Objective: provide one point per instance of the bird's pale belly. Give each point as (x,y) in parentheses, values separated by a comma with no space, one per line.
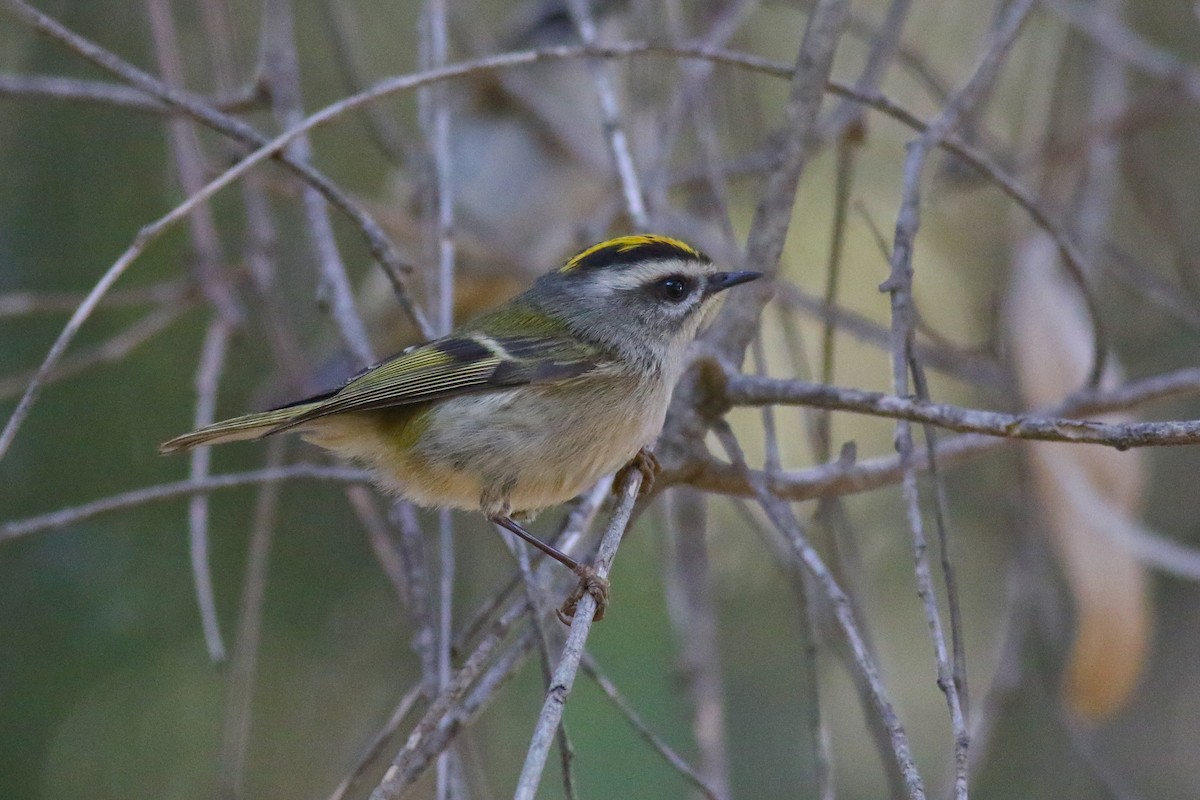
(501,452)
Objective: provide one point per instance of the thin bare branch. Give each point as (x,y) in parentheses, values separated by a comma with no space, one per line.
(534,600)
(677,762)
(692,607)
(781,516)
(941,518)
(750,390)
(381,247)
(372,751)
(206,246)
(281,74)
(1110,32)
(610,112)
(82,312)
(426,739)
(208,373)
(438,135)
(576,525)
(16,304)
(243,663)
(56,520)
(344,34)
(964,364)
(773,214)
(114,95)
(435,119)
(109,351)
(568,662)
(885,43)
(847,148)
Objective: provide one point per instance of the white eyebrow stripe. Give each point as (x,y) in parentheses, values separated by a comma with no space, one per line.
(638,275)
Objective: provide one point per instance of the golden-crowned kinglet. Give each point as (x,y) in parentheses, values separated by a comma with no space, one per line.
(528,405)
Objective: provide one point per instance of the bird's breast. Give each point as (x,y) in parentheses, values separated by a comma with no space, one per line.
(539,446)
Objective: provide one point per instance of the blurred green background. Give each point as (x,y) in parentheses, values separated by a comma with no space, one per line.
(106,690)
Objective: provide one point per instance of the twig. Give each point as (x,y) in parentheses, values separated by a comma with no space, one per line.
(447,764)
(82,312)
(773,214)
(750,390)
(208,372)
(380,246)
(576,525)
(818,615)
(424,741)
(172,292)
(822,773)
(79,90)
(847,149)
(421,607)
(691,92)
(206,244)
(533,599)
(435,116)
(884,45)
(281,73)
(688,582)
(610,113)
(438,135)
(831,520)
(961,363)
(781,516)
(668,753)
(837,477)
(166,491)
(406,82)
(941,519)
(1109,32)
(243,662)
(381,738)
(109,351)
(568,663)
(345,36)
(458,715)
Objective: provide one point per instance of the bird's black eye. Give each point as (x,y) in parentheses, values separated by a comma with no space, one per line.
(673,289)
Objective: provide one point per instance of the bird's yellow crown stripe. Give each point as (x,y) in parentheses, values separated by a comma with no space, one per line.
(626,245)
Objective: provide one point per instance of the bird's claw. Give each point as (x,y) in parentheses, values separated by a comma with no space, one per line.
(645,463)
(589,583)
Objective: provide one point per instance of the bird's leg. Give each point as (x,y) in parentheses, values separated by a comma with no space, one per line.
(645,463)
(589,581)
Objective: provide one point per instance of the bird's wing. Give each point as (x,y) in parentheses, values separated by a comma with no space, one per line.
(456,365)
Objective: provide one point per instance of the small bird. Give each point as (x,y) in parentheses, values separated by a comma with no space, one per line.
(528,405)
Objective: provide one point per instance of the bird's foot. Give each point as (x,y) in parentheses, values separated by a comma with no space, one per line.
(645,463)
(589,583)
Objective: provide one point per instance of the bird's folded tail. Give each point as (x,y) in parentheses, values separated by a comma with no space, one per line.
(249,426)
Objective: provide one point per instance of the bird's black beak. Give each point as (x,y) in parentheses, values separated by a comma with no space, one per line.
(721,281)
